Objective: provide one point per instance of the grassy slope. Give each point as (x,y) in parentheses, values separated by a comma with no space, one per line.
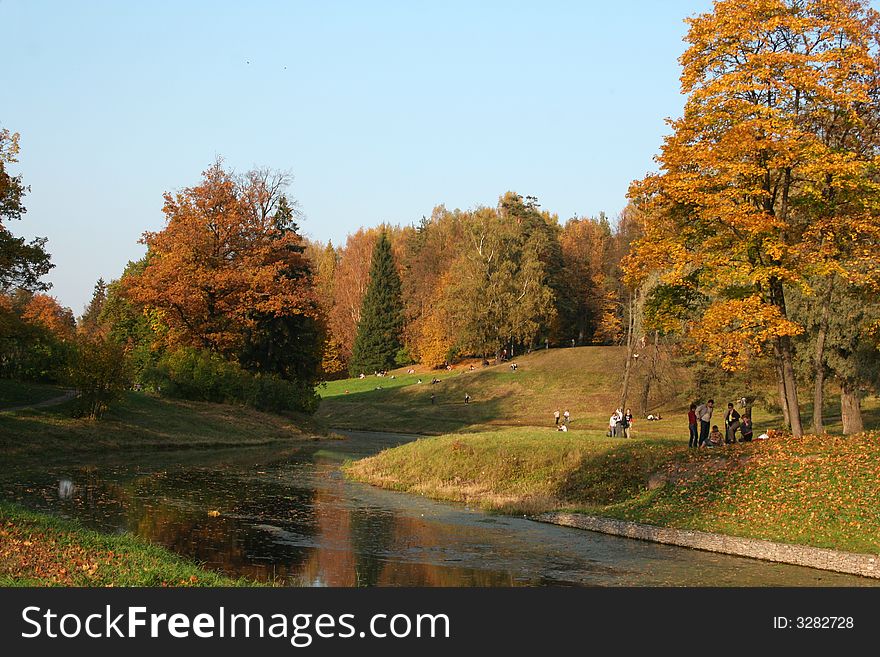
(585,380)
(145,421)
(814,491)
(38,550)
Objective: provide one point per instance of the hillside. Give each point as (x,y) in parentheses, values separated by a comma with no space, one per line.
(584,380)
(145,421)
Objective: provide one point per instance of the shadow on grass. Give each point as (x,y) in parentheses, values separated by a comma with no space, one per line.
(411,409)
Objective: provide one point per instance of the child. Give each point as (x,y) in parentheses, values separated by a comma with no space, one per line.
(715,437)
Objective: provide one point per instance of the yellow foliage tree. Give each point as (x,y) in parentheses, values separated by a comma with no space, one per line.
(772,162)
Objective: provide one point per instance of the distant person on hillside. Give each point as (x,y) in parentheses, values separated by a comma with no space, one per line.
(566,417)
(731,423)
(714,438)
(745,429)
(692,426)
(627,423)
(432,397)
(704,415)
(556,417)
(562,427)
(467,398)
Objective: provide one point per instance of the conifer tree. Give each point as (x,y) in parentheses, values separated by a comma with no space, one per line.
(380,328)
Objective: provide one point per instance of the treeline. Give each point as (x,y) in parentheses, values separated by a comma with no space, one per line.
(480,282)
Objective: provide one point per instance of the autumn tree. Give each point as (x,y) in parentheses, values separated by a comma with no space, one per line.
(740,207)
(380,329)
(45,310)
(228,275)
(499,293)
(350,284)
(22,263)
(325,260)
(428,251)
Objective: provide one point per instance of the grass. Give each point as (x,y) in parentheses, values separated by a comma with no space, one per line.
(19,393)
(819,491)
(145,421)
(585,380)
(39,550)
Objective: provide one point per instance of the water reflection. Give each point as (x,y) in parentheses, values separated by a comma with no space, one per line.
(288,515)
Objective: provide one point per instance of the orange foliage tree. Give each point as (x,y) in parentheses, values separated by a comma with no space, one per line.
(779,123)
(220,262)
(44,310)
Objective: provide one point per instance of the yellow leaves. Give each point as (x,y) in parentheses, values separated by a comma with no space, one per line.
(735,332)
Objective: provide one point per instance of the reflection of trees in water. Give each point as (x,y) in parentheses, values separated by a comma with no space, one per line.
(372,534)
(432,537)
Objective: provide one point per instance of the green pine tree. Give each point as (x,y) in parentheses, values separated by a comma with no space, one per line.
(380,328)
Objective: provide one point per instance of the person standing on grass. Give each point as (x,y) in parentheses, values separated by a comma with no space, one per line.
(566,417)
(432,397)
(692,426)
(731,422)
(627,423)
(467,398)
(704,415)
(556,417)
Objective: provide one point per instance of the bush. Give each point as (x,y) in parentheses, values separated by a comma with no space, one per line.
(99,371)
(202,376)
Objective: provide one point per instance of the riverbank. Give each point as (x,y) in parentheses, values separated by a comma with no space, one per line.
(40,550)
(816,491)
(141,420)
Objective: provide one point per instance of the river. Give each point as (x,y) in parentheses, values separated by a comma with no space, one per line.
(287,514)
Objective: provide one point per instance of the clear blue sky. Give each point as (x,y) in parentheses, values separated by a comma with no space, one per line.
(380,110)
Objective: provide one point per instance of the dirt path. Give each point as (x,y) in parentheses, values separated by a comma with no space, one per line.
(67,396)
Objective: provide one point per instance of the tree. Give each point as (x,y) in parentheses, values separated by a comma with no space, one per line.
(499,294)
(380,328)
(740,208)
(99,372)
(228,259)
(350,285)
(90,321)
(45,310)
(22,263)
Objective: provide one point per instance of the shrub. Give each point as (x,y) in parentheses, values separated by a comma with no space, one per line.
(202,376)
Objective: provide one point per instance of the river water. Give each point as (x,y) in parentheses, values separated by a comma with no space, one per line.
(287,514)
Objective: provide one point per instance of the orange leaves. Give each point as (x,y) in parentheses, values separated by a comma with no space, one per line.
(222,260)
(736,331)
(44,310)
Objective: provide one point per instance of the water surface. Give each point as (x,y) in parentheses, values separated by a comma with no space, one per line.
(287,514)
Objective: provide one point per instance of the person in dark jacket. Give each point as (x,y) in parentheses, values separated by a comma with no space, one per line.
(731,422)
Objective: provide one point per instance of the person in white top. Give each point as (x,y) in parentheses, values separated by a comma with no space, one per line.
(704,415)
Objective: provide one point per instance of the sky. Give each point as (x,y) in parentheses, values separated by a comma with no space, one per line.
(379,110)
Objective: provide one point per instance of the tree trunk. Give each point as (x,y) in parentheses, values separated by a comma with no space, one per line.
(794,408)
(780,383)
(850,408)
(819,361)
(630,346)
(652,374)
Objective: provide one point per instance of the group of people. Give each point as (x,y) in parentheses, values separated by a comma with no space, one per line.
(566,418)
(700,419)
(620,424)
